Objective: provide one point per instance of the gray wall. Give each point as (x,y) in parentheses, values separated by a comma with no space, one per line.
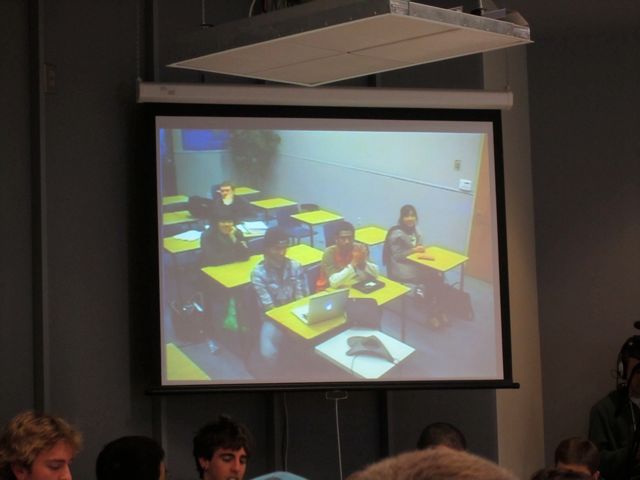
(586,170)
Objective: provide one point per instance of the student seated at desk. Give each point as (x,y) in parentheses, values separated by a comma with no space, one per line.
(223,242)
(402,240)
(346,262)
(131,458)
(225,200)
(277,280)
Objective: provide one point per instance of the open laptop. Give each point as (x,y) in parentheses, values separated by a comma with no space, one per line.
(323,307)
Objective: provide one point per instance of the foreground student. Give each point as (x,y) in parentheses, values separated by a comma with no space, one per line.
(131,458)
(578,455)
(438,463)
(441,434)
(221,450)
(559,474)
(614,420)
(37,446)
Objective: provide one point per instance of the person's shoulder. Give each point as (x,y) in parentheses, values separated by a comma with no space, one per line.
(395,232)
(209,235)
(610,401)
(294,264)
(328,252)
(259,269)
(239,201)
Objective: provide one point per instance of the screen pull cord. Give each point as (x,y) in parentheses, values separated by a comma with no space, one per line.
(336,396)
(285,436)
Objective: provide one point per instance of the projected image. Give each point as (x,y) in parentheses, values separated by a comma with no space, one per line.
(297,251)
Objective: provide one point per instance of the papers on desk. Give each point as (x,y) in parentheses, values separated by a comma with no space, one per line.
(252,227)
(188,236)
(363,366)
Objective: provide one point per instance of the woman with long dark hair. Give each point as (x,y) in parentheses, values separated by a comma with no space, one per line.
(402,240)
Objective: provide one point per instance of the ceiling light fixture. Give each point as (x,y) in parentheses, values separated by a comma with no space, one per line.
(325,41)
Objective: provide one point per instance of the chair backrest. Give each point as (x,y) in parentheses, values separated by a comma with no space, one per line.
(200,207)
(312,275)
(255,245)
(283,216)
(363,312)
(309,207)
(330,231)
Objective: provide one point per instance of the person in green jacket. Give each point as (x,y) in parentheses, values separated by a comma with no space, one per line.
(614,422)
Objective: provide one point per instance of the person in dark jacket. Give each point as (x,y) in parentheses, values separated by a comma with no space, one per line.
(223,243)
(225,202)
(614,422)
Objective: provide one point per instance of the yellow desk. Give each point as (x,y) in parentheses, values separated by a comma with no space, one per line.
(239,273)
(245,191)
(173,199)
(371,235)
(284,317)
(180,367)
(273,203)
(175,245)
(443,260)
(390,291)
(173,218)
(316,217)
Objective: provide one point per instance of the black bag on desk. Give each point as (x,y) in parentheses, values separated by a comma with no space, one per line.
(456,303)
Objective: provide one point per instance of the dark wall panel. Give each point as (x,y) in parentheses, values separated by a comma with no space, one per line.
(585,148)
(472,411)
(16,333)
(90,145)
(296,429)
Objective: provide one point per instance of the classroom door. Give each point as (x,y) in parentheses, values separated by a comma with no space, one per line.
(480,250)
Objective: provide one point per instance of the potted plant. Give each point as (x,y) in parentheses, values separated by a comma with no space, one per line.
(253,153)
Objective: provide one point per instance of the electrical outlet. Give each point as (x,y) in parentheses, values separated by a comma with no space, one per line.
(456,164)
(464,185)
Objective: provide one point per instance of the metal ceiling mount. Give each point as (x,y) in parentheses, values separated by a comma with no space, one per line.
(325,41)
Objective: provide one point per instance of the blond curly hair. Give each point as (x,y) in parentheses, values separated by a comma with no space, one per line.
(30,433)
(437,463)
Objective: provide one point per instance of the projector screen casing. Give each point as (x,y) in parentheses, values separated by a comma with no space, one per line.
(343,115)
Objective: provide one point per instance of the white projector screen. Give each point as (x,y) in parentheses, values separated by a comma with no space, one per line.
(306,170)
